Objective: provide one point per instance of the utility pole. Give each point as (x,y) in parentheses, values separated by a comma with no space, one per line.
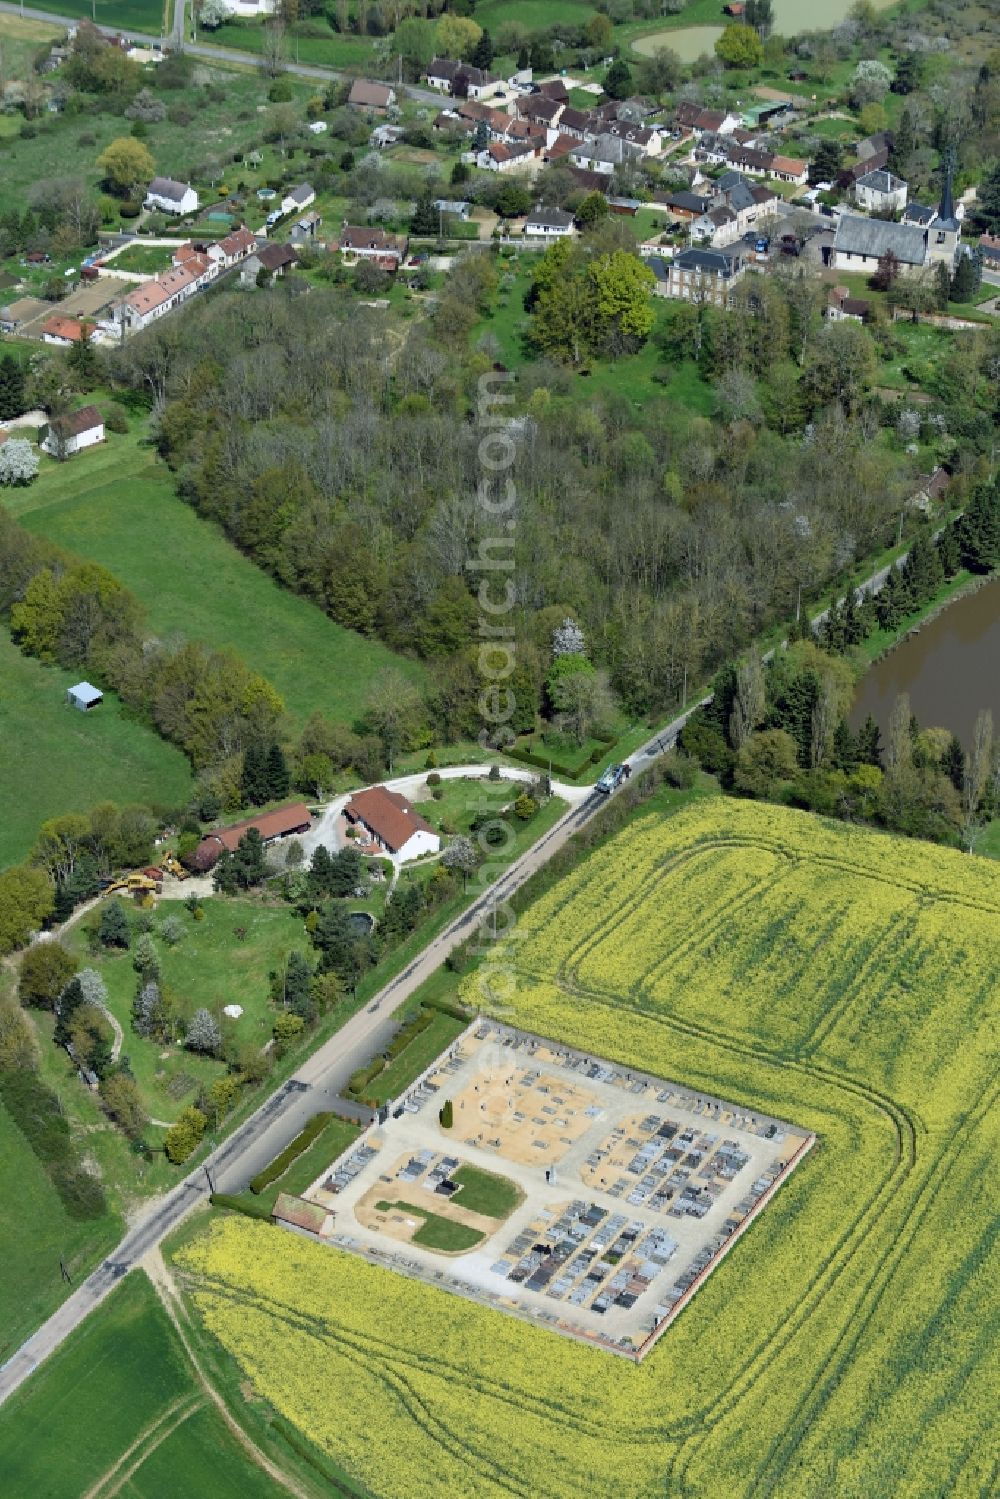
(208,1178)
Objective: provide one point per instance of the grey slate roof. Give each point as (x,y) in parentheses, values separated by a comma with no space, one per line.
(554,218)
(881,182)
(873,237)
(716,262)
(918,213)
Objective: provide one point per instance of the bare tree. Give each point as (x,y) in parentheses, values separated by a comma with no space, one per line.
(274,53)
(975,773)
(750,700)
(899,746)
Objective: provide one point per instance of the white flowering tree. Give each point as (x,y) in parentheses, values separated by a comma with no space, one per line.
(203,1034)
(213,12)
(568,639)
(18,461)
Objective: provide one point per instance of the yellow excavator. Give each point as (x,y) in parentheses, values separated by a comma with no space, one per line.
(137,884)
(175,867)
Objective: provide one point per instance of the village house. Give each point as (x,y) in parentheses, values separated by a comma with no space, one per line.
(646,138)
(701,275)
(843,308)
(283,822)
(275,259)
(69,434)
(298,198)
(305,228)
(549,223)
(368,243)
(880,192)
(518,156)
(989,246)
(373,98)
(860,244)
(460,79)
(155,298)
(603,155)
(67,331)
(170,196)
(388,821)
(697,120)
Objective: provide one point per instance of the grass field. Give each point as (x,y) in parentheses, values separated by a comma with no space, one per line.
(435,1232)
(119,1403)
(211,967)
(350,52)
(87,758)
(483,1192)
(847,1345)
(146,260)
(21,39)
(116,504)
(32,1285)
(412,1060)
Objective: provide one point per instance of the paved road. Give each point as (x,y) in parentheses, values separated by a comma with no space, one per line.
(214,53)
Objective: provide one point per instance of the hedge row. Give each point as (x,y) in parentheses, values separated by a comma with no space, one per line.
(240,1205)
(38,1114)
(564,772)
(281,1163)
(360,1080)
(457,1012)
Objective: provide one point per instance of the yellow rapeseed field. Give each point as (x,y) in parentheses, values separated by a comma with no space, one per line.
(847,1346)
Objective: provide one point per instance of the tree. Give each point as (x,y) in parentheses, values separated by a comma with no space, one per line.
(592,210)
(18,462)
(749,702)
(869,83)
(461,854)
(908,70)
(394,711)
(127,165)
(184,1137)
(314,775)
(145,959)
(975,776)
(446,1114)
(618,80)
(760,15)
(904,143)
(739,46)
(482,52)
(45,970)
(887,272)
(826,163)
(578,695)
(150,1016)
(13,400)
(456,36)
(765,761)
(213,13)
(296,989)
(254,779)
(203,1033)
(964,286)
(987,209)
(512,199)
(979,530)
(27,898)
(244,867)
(426,219)
(90,1037)
(598,32)
(278,778)
(123,1103)
(113,929)
(568,639)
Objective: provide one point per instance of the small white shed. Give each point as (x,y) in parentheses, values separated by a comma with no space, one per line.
(84,696)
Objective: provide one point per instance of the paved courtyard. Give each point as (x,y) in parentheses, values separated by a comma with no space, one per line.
(628,1189)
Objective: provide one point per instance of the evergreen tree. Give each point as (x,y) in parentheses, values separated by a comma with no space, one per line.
(979,531)
(12,387)
(67,1005)
(988,203)
(337,943)
(907,78)
(297,987)
(845,748)
(967,278)
(953,762)
(203,1034)
(869,743)
(523,59)
(888,603)
(244,867)
(949,551)
(618,80)
(254,780)
(426,219)
(113,930)
(278,777)
(482,54)
(942,286)
(827,161)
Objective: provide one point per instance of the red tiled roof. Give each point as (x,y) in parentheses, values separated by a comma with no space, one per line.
(66,327)
(293,818)
(75,423)
(389,816)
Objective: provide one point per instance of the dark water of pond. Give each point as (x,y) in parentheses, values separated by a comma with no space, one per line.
(360,923)
(951,669)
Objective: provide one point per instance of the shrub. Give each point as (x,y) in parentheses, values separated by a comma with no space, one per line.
(434,779)
(45,971)
(116,418)
(446,1114)
(281,1163)
(129,210)
(184,1137)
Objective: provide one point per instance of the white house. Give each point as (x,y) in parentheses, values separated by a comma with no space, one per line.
(389,822)
(880,192)
(460,79)
(170,196)
(73,432)
(549,223)
(298,198)
(860,243)
(66,331)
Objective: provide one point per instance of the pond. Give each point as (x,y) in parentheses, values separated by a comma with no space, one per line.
(790,16)
(361,923)
(949,668)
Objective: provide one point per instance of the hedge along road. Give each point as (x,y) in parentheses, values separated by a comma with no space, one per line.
(318,1083)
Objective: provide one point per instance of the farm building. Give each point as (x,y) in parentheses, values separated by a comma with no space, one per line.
(376,98)
(84,696)
(73,432)
(391,823)
(281,823)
